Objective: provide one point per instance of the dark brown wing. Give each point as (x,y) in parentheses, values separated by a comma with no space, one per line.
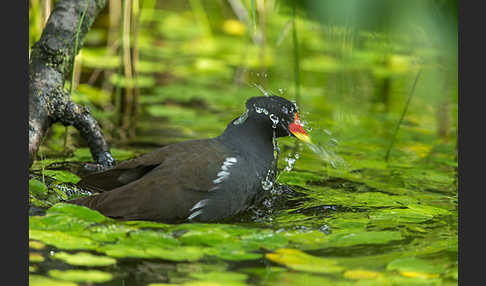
(127,171)
(168,191)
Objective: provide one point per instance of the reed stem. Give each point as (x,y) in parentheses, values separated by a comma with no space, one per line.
(397,128)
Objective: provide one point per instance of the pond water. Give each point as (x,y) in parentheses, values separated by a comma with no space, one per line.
(339,213)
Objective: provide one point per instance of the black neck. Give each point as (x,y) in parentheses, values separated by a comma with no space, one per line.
(253,136)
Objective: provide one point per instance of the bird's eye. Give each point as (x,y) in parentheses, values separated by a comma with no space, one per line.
(285,110)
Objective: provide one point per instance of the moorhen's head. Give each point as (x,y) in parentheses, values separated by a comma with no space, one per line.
(280,113)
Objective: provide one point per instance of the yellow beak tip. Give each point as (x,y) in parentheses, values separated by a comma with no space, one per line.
(303,137)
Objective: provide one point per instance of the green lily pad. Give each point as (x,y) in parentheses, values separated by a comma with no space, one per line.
(109,232)
(298,278)
(349,238)
(146,224)
(62,176)
(36,245)
(207,237)
(183,253)
(265,239)
(361,274)
(232,252)
(35,257)
(94,276)
(84,154)
(84,259)
(62,240)
(307,240)
(301,261)
(81,212)
(415,267)
(150,244)
(226,277)
(38,280)
(37,188)
(67,218)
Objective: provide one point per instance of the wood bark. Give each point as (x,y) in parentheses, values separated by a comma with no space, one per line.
(50,63)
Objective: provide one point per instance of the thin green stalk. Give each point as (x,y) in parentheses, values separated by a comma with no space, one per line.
(76,43)
(296,55)
(402,116)
(253,19)
(43,167)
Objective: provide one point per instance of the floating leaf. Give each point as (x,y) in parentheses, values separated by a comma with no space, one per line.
(307,239)
(226,277)
(35,257)
(36,245)
(415,267)
(84,154)
(298,278)
(77,211)
(84,259)
(349,238)
(300,261)
(62,240)
(360,274)
(95,276)
(266,239)
(208,237)
(38,280)
(233,252)
(63,176)
(37,188)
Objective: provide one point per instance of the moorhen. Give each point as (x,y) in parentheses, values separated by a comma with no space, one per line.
(199,180)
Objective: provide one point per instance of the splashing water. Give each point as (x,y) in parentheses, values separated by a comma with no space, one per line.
(267,183)
(260,110)
(274,119)
(242,118)
(291,161)
(266,93)
(327,155)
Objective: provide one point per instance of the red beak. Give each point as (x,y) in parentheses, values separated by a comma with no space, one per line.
(298,131)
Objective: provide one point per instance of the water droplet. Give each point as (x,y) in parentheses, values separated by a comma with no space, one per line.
(262,90)
(290,164)
(274,119)
(267,183)
(261,110)
(241,119)
(325,229)
(333,142)
(281,90)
